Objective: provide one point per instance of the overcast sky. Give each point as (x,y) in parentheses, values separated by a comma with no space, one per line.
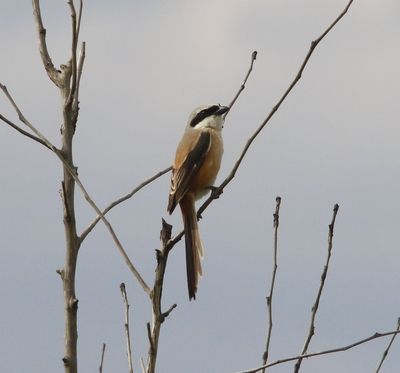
(149,64)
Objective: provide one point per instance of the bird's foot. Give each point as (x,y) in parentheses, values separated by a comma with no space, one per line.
(215,191)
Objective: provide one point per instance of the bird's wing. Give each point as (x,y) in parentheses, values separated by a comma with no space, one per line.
(182,176)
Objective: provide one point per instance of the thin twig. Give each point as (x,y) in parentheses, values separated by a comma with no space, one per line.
(385,353)
(74,174)
(314,308)
(271,291)
(126,325)
(243,86)
(22,118)
(19,129)
(78,24)
(103,349)
(120,200)
(325,352)
(75,101)
(74,44)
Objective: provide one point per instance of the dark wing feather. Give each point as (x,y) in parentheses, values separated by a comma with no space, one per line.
(184,174)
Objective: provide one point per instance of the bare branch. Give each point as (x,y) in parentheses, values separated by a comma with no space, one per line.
(73,173)
(122,199)
(325,352)
(112,232)
(19,129)
(75,101)
(385,353)
(314,308)
(40,137)
(57,77)
(169,310)
(103,349)
(271,291)
(126,325)
(74,45)
(158,317)
(78,24)
(243,86)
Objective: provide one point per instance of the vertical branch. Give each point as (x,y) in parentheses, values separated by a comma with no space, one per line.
(323,277)
(271,291)
(103,350)
(73,60)
(66,79)
(158,317)
(385,353)
(126,325)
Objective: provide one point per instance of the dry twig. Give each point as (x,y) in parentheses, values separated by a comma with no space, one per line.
(325,352)
(126,325)
(314,308)
(120,200)
(271,290)
(103,349)
(243,86)
(385,353)
(16,127)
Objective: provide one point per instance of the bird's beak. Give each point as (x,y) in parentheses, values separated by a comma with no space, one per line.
(222,110)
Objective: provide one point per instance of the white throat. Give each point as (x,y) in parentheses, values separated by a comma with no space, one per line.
(214,122)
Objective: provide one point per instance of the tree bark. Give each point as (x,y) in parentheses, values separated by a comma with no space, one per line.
(71,239)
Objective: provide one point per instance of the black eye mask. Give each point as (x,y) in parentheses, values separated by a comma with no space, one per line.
(204,114)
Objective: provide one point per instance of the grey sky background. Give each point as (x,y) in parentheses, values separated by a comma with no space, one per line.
(335,139)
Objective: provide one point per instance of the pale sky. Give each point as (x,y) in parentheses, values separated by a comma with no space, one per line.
(149,64)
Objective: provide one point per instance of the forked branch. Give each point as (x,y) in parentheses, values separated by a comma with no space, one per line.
(325,352)
(73,173)
(386,352)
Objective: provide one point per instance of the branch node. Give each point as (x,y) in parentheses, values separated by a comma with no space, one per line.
(66,361)
(61,273)
(73,304)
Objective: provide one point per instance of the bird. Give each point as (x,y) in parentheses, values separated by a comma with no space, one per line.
(197,162)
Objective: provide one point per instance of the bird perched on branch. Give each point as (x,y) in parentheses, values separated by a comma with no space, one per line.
(197,162)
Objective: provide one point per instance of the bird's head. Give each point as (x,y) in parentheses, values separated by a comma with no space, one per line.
(209,116)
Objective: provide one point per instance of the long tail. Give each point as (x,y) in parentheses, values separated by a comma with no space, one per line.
(194,248)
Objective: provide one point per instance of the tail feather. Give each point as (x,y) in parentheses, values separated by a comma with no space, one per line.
(194,247)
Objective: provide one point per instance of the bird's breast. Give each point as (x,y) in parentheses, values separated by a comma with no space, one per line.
(208,171)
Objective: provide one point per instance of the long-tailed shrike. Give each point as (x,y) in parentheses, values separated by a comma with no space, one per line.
(197,162)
